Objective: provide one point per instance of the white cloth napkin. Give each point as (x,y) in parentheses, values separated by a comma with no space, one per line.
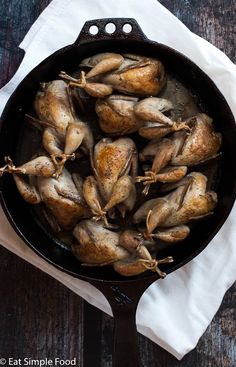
(181,306)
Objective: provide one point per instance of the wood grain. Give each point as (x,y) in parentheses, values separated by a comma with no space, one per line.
(40,317)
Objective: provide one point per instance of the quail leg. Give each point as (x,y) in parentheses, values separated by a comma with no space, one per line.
(97,90)
(141,214)
(102,63)
(156,216)
(167,174)
(94,199)
(172,235)
(40,166)
(123,189)
(54,147)
(152,109)
(75,135)
(134,266)
(153,130)
(163,156)
(157,124)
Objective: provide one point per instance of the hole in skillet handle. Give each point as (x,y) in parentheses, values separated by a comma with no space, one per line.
(110,28)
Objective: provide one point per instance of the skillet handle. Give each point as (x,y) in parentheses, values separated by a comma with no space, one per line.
(120,25)
(125,339)
(123,299)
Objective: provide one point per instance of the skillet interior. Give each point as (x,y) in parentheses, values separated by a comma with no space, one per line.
(68,59)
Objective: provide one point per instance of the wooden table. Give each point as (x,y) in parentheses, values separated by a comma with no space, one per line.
(39,317)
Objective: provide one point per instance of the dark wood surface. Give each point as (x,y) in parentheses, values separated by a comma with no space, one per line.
(39,317)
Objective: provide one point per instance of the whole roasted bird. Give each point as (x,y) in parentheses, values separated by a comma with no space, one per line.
(190,200)
(63,131)
(129,74)
(171,156)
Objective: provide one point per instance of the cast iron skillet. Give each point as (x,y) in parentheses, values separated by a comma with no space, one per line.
(123,294)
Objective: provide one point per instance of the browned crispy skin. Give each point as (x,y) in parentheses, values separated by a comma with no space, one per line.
(112,160)
(52,105)
(201,144)
(146,78)
(96,244)
(116,115)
